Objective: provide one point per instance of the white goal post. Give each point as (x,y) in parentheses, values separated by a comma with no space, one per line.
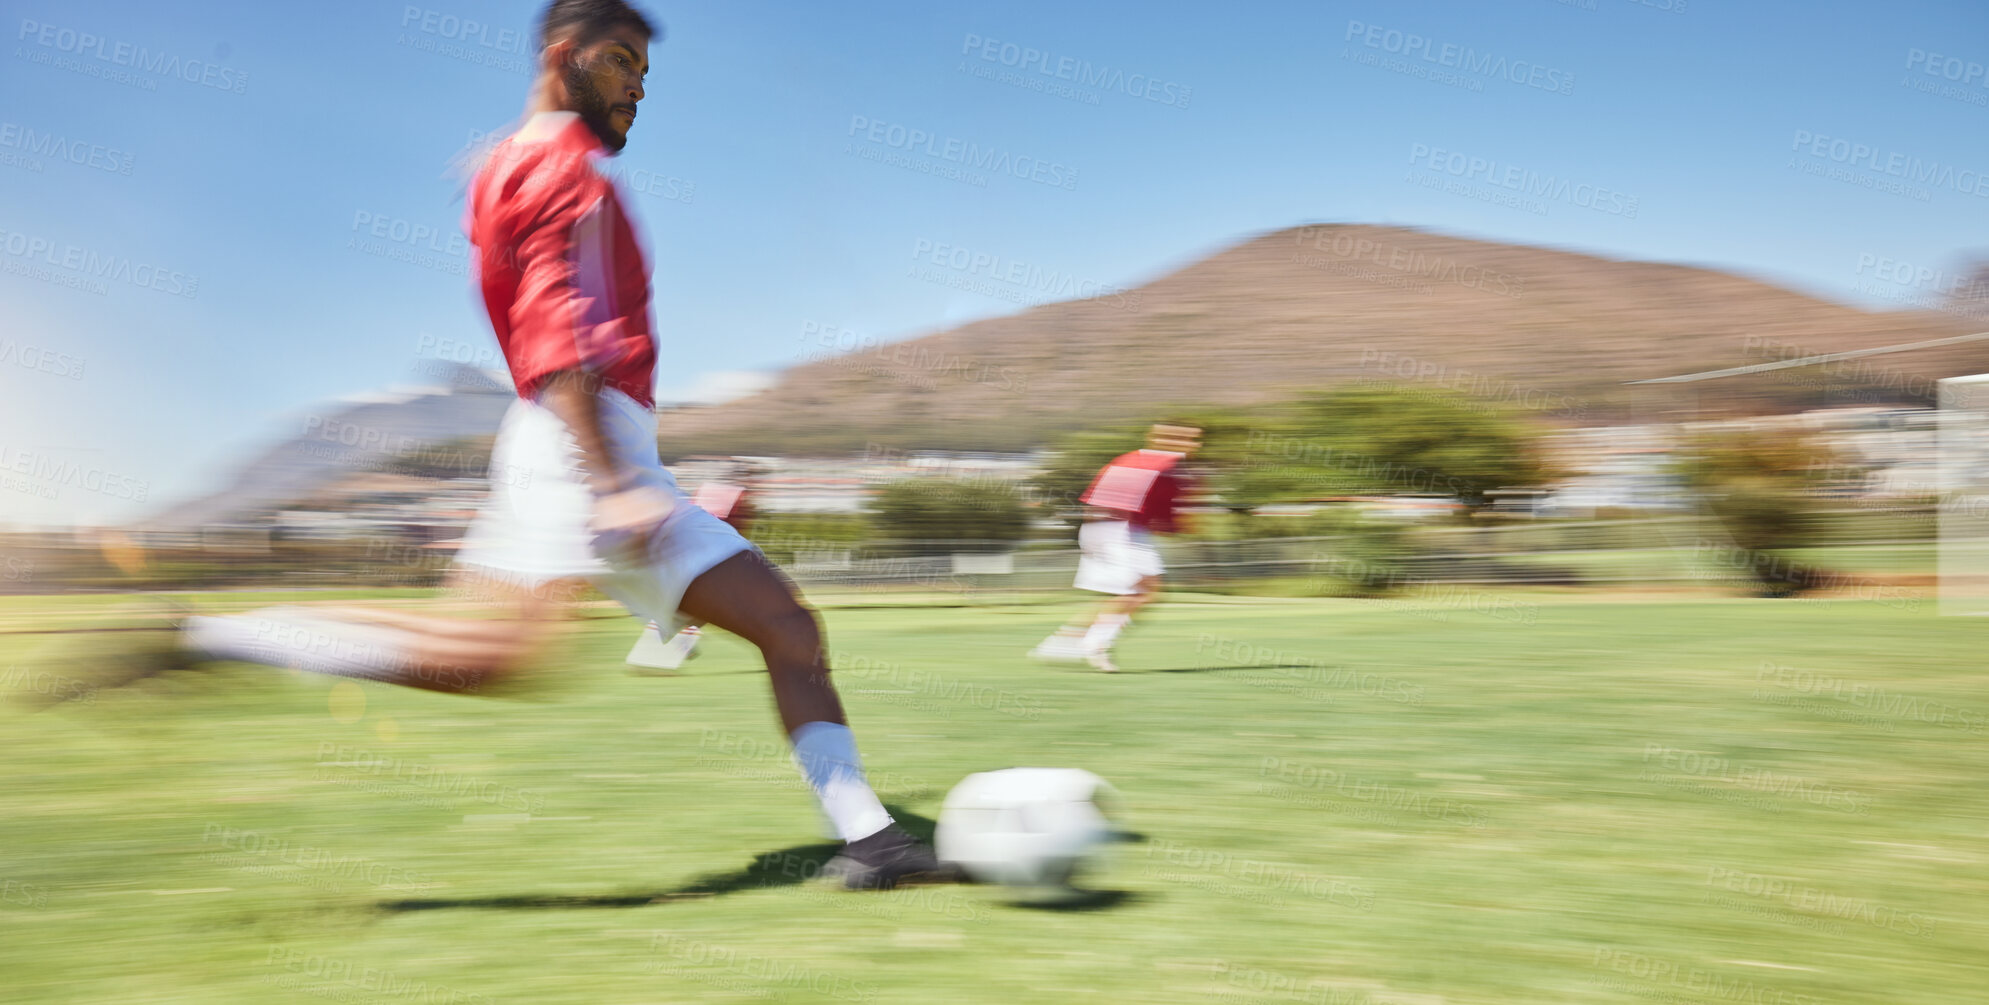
(1962,544)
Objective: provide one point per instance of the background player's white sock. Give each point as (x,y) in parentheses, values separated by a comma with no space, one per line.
(1104,630)
(289,637)
(826,753)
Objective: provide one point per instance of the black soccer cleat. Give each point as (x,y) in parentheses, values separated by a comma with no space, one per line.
(887,858)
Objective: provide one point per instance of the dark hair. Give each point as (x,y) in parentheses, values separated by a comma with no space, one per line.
(589,20)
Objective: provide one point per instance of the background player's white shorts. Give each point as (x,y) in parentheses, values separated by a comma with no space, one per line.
(1115,555)
(534,527)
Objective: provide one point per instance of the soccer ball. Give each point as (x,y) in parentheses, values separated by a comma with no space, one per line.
(1023,826)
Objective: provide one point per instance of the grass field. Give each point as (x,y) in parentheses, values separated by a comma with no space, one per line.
(1512,797)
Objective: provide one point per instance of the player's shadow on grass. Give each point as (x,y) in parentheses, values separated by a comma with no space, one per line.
(1079,900)
(1223,669)
(786,867)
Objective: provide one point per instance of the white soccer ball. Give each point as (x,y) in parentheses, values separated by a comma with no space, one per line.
(1023,826)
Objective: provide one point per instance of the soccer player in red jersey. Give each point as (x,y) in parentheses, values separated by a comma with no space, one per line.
(1132,498)
(566,283)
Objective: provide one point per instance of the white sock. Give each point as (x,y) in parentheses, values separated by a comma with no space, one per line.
(826,754)
(1104,630)
(291,637)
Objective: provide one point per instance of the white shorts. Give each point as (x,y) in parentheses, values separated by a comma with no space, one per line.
(1114,557)
(534,528)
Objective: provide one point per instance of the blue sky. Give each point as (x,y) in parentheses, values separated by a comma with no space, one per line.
(264,217)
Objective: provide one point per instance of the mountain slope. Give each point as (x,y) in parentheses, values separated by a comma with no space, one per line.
(1311,307)
(340,440)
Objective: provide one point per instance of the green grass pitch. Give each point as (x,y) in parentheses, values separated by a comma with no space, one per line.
(1513,797)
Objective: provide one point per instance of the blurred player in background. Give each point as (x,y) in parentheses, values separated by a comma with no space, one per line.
(564,278)
(1133,498)
(729,498)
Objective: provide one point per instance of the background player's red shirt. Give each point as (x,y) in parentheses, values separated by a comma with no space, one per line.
(561,268)
(727,501)
(1141,488)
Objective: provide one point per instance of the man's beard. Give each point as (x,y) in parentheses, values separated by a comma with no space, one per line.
(592,108)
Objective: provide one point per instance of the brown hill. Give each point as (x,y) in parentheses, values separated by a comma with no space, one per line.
(1317,306)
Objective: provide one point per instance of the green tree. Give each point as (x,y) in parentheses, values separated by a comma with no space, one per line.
(1381,440)
(947,511)
(1763,487)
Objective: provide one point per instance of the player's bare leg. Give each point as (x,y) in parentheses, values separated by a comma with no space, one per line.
(456,655)
(1090,639)
(450,654)
(1113,617)
(747,596)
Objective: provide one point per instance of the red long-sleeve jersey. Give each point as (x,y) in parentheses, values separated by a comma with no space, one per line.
(1141,488)
(559,261)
